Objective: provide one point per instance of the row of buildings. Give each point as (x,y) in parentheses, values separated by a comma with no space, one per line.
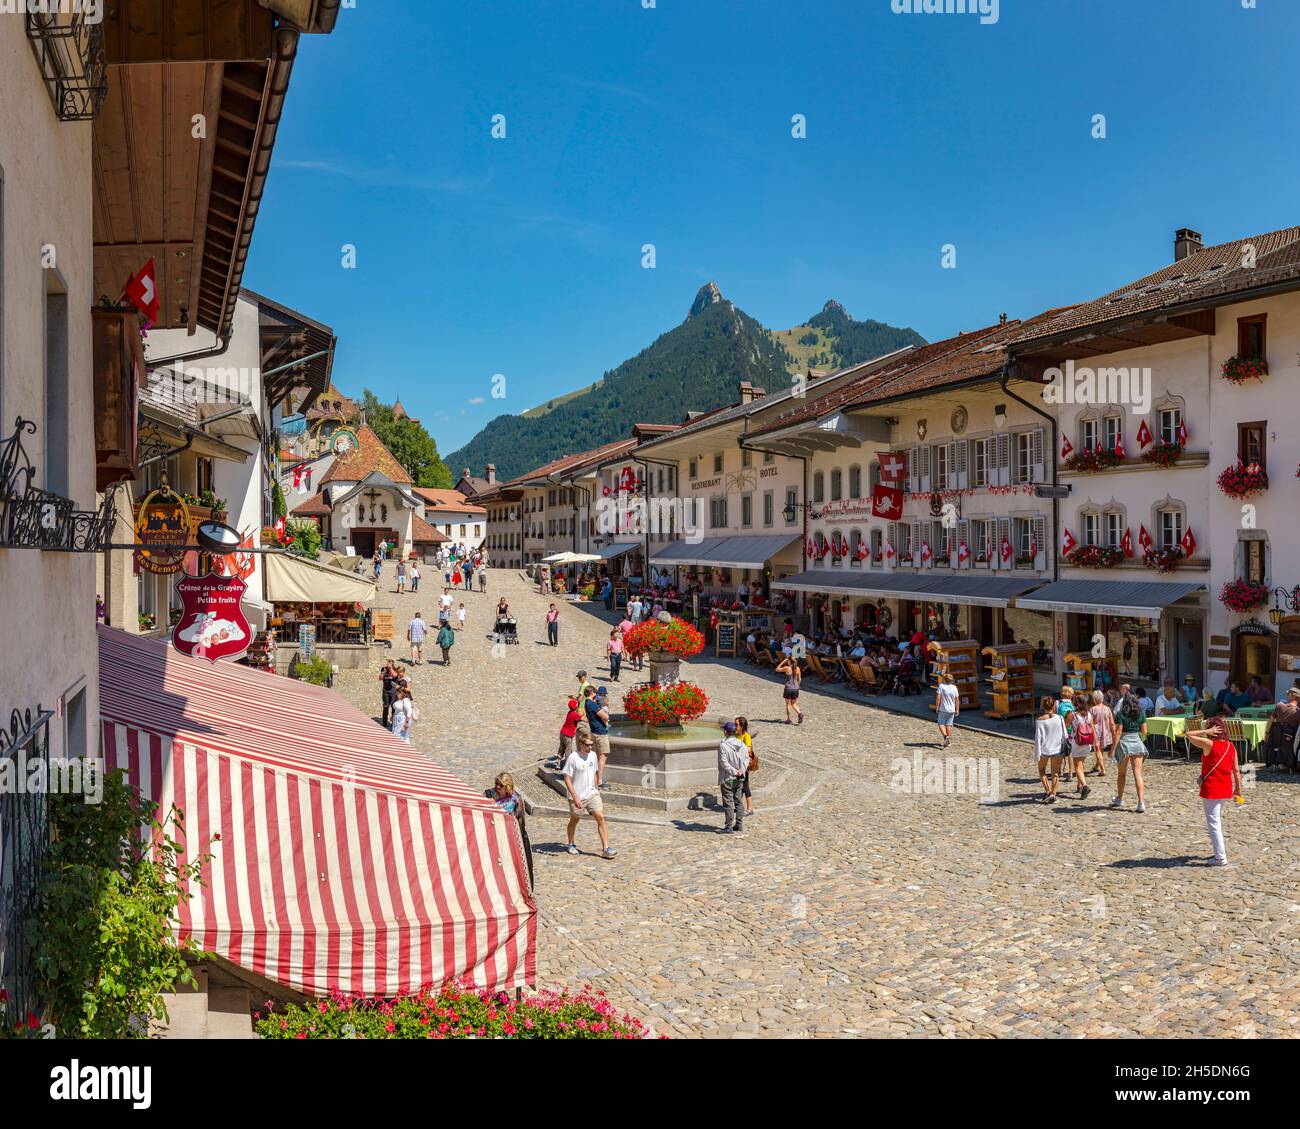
(1124,468)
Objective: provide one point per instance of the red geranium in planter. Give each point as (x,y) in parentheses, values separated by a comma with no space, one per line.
(1161,453)
(665,705)
(677,638)
(1095,556)
(1090,462)
(1243,481)
(1163,560)
(1243,596)
(1238,370)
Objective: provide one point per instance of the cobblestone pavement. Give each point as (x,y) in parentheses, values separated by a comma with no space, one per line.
(850,907)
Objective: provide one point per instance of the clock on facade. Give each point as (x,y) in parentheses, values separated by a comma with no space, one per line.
(959,420)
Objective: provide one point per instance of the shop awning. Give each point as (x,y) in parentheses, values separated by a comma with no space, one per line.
(292,579)
(618,549)
(980,591)
(1144,599)
(748,552)
(345,859)
(724,552)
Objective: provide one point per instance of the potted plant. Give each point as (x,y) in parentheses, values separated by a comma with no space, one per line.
(666,645)
(1091,462)
(146,621)
(665,707)
(1095,556)
(1238,370)
(1163,560)
(1243,481)
(1163,454)
(1243,596)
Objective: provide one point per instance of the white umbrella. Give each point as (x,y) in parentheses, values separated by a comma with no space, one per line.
(571,558)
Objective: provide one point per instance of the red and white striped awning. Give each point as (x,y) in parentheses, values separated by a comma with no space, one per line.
(346,859)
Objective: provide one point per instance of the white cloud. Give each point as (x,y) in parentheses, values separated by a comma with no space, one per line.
(476,400)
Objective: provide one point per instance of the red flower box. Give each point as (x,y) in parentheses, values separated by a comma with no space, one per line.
(1243,596)
(1163,454)
(677,638)
(1090,462)
(1163,560)
(665,705)
(1095,556)
(1238,370)
(1243,481)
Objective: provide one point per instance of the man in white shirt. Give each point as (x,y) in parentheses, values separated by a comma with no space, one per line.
(444,605)
(733,763)
(580,771)
(1168,701)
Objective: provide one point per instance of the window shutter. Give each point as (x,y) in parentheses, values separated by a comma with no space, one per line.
(1002,532)
(958,466)
(1003,462)
(925,468)
(918,535)
(1040,536)
(891,535)
(1036,456)
(963,538)
(914,469)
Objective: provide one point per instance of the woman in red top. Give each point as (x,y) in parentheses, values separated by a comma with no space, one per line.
(1220,776)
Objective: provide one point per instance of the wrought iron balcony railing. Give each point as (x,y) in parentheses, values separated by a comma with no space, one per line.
(69,47)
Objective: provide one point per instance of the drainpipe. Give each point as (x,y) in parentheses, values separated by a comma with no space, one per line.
(647,463)
(1056,446)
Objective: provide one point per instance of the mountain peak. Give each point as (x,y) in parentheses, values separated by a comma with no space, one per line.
(833,307)
(709,295)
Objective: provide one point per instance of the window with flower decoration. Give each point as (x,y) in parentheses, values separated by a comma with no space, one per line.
(877,542)
(1114,520)
(979,533)
(1090,527)
(1252,556)
(1089,433)
(1170,422)
(1112,430)
(1252,340)
(1170,526)
(1252,444)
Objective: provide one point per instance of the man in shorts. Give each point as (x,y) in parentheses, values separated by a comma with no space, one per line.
(595,708)
(580,768)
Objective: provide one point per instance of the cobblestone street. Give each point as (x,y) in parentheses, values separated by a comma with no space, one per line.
(849,907)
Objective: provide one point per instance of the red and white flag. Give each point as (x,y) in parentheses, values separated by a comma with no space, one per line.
(863,551)
(142,291)
(1188,542)
(297,477)
(1126,542)
(886,502)
(1067,448)
(893,466)
(963,552)
(1033,545)
(1006,549)
(1068,543)
(926,553)
(1144,435)
(810,550)
(1144,538)
(1119,447)
(1182,433)
(889,550)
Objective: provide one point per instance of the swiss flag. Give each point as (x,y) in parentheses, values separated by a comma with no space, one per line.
(297,477)
(1119,447)
(863,551)
(1067,448)
(893,466)
(1006,549)
(810,550)
(889,550)
(1033,545)
(1182,433)
(1126,542)
(886,501)
(926,554)
(1144,435)
(963,552)
(1068,543)
(142,291)
(1144,538)
(1188,542)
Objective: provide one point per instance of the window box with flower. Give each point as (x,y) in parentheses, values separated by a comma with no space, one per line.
(1239,369)
(1164,560)
(1243,481)
(1163,454)
(1093,461)
(1095,556)
(1243,596)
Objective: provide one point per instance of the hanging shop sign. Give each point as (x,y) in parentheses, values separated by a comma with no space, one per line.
(344,442)
(212,624)
(163,528)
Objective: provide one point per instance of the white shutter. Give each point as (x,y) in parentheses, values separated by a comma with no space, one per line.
(1040,536)
(914,469)
(1036,454)
(957,468)
(1002,443)
(891,537)
(918,535)
(925,468)
(963,538)
(1002,531)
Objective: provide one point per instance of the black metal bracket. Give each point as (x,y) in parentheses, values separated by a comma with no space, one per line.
(69,48)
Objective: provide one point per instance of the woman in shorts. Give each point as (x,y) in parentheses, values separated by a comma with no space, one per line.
(789,666)
(1049,736)
(1130,748)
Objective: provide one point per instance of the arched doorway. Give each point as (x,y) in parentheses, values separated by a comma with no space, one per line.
(1254,652)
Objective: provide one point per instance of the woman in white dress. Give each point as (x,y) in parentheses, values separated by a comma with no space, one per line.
(402,715)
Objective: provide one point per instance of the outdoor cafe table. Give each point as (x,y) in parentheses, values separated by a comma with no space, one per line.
(1173,727)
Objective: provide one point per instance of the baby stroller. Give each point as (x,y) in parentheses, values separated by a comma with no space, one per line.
(507,630)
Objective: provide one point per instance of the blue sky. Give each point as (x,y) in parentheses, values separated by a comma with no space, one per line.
(672,126)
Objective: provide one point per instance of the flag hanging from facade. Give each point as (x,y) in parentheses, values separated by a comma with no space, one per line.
(142,292)
(886,502)
(1144,435)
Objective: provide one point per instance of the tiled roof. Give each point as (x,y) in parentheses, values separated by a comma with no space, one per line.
(1205,278)
(422,532)
(448,500)
(570,463)
(371,455)
(315,506)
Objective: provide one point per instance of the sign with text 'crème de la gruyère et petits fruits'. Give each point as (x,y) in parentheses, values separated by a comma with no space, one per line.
(212,625)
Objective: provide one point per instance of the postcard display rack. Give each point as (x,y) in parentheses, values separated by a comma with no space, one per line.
(261,654)
(1011,671)
(959,659)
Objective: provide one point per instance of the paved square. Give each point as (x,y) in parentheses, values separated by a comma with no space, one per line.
(849,907)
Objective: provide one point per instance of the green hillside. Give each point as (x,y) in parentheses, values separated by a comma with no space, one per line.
(696,366)
(832,340)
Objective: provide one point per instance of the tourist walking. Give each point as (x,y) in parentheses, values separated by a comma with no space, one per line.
(1049,738)
(415,631)
(1103,725)
(553,626)
(376,565)
(400,569)
(415,577)
(793,681)
(388,687)
(444,605)
(460,617)
(614,648)
(402,715)
(568,731)
(595,710)
(743,734)
(947,705)
(1130,748)
(733,763)
(1083,743)
(508,798)
(581,782)
(446,640)
(1220,777)
(482,577)
(469,577)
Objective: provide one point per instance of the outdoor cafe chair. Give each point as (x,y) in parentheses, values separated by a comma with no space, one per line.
(1237,735)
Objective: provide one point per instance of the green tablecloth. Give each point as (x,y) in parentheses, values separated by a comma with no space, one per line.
(1173,728)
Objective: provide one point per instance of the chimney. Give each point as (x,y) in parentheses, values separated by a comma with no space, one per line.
(1186,242)
(1002,319)
(490,473)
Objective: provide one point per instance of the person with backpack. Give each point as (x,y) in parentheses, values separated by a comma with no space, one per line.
(1103,726)
(1130,748)
(1083,741)
(1049,737)
(446,640)
(1220,777)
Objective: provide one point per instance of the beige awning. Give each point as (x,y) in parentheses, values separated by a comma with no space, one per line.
(293,579)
